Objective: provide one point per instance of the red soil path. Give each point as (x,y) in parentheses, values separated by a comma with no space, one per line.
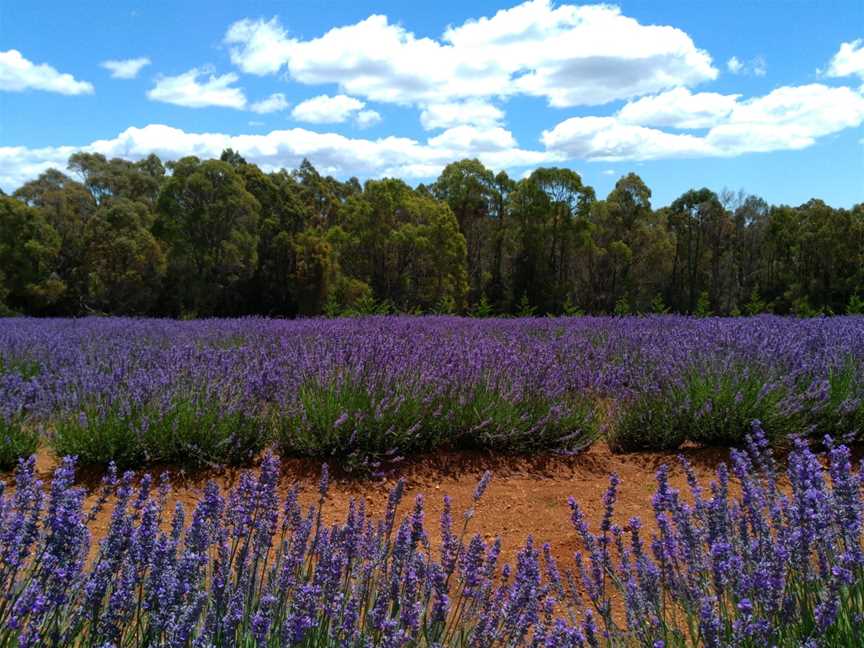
(527,495)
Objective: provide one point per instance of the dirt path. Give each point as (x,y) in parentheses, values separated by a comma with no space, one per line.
(527,496)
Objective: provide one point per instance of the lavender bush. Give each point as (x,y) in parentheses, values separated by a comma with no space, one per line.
(361,390)
(772,566)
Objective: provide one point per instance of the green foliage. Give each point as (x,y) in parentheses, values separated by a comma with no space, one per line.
(658,306)
(367,305)
(210,221)
(193,432)
(756,305)
(801,308)
(525,308)
(403,244)
(17,440)
(29,257)
(445,306)
(482,308)
(718,408)
(331,307)
(222,237)
(703,306)
(709,407)
(855,305)
(622,306)
(569,309)
(648,422)
(362,426)
(833,406)
(122,260)
(24,367)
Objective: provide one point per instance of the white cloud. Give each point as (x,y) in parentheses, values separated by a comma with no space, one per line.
(126,68)
(790,117)
(325,109)
(734,65)
(367,118)
(570,55)
(679,108)
(274,103)
(757,66)
(786,118)
(606,138)
(474,112)
(848,61)
(18,74)
(471,139)
(186,90)
(332,153)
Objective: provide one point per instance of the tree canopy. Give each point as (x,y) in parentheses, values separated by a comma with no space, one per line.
(222,237)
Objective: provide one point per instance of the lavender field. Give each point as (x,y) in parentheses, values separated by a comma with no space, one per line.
(365,392)
(773,565)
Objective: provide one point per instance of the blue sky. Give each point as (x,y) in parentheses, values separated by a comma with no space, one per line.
(762,96)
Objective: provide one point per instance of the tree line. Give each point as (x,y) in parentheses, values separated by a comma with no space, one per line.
(196,238)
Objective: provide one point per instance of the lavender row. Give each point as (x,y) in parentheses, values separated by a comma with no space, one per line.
(771,566)
(367,390)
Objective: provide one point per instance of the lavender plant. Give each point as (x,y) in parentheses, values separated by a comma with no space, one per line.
(774,565)
(355,390)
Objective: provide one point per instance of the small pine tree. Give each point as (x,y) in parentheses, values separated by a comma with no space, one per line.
(446,305)
(658,306)
(703,305)
(365,305)
(482,308)
(570,309)
(855,305)
(802,308)
(332,308)
(524,308)
(755,305)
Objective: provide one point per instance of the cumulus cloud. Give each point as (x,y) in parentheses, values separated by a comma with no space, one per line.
(786,118)
(473,112)
(125,68)
(325,109)
(607,138)
(469,138)
(570,55)
(274,103)
(186,90)
(18,74)
(848,61)
(679,108)
(367,118)
(332,153)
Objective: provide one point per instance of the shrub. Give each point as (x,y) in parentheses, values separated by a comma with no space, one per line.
(710,406)
(188,432)
(716,407)
(647,422)
(833,405)
(17,439)
(347,419)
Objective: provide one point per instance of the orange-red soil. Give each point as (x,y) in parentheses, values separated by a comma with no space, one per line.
(527,495)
